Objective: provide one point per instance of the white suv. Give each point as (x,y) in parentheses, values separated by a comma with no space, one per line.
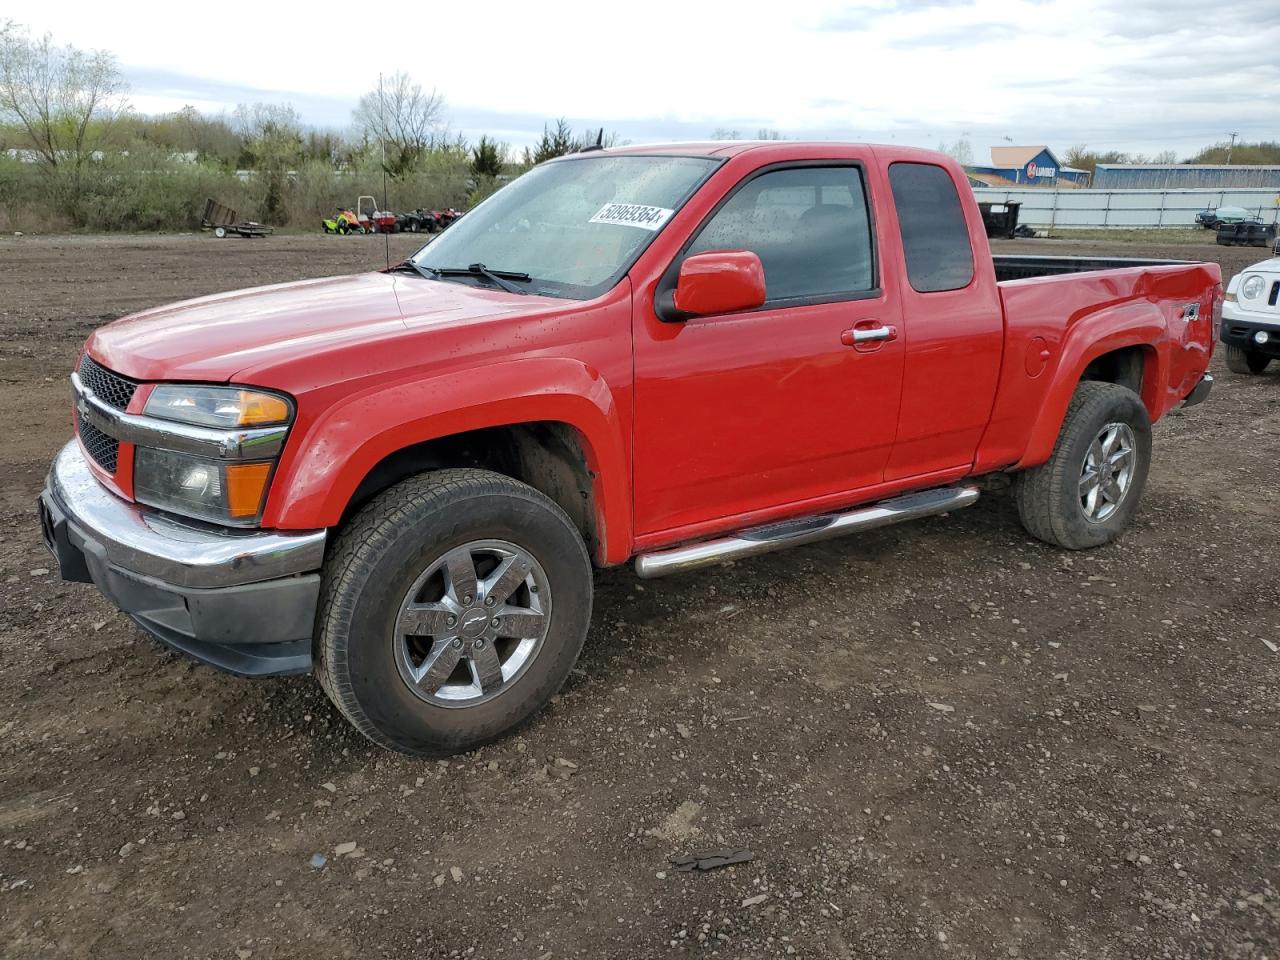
(1251,317)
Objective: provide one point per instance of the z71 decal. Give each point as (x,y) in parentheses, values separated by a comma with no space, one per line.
(633,215)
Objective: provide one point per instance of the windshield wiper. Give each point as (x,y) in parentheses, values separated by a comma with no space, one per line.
(408,266)
(501,278)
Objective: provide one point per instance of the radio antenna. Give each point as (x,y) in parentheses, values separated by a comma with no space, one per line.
(382,111)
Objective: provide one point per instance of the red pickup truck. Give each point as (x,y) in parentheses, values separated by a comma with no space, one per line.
(678,354)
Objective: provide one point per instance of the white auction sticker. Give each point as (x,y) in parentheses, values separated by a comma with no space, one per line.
(633,215)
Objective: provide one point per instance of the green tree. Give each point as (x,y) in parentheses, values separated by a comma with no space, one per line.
(272,136)
(554,142)
(1265,152)
(486,158)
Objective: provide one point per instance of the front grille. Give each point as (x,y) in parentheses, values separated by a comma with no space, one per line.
(110,387)
(98,445)
(113,390)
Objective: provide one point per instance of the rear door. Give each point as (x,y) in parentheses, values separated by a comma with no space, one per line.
(952,318)
(747,412)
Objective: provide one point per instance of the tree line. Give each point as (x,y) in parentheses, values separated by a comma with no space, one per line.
(1241,154)
(74,154)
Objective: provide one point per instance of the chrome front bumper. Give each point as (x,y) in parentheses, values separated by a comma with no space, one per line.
(240,600)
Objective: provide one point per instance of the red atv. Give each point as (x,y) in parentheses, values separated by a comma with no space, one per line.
(446,217)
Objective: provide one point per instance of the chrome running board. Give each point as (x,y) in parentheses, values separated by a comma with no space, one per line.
(791,533)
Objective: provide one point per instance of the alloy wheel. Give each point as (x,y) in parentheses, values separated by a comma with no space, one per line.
(1107,473)
(472,623)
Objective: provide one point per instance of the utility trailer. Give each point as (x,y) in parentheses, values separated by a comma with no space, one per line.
(222,220)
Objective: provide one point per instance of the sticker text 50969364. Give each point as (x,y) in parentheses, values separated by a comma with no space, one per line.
(633,215)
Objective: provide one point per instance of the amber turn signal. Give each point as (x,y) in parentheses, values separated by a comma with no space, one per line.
(246,484)
(258,409)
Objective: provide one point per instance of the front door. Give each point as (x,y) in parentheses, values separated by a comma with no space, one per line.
(739,413)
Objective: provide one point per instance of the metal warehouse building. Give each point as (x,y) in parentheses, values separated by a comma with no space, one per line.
(1030,166)
(1170,176)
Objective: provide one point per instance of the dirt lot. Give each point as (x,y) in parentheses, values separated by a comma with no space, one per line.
(938,740)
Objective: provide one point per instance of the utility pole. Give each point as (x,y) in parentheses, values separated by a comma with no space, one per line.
(1231,146)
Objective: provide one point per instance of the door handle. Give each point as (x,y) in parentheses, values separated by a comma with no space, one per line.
(861,335)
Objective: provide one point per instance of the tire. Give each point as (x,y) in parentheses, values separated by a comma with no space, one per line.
(1051,497)
(383,561)
(1248,362)
(219,232)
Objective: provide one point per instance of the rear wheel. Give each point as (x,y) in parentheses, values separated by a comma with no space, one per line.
(453,607)
(1240,360)
(1090,488)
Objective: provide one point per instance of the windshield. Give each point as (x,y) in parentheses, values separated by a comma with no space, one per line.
(574,226)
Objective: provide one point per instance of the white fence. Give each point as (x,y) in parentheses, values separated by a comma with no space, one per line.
(1128,209)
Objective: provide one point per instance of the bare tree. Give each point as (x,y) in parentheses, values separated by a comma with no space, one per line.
(960,151)
(63,99)
(406,119)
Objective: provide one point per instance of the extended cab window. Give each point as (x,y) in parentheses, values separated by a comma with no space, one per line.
(809,227)
(935,234)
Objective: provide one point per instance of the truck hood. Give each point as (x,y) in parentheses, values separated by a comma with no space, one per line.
(214,338)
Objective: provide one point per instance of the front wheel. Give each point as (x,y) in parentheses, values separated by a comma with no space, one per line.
(452,608)
(1240,360)
(1090,488)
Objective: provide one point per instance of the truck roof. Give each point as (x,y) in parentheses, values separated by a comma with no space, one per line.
(786,149)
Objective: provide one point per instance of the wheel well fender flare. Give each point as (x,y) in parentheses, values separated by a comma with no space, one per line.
(324,465)
(1126,326)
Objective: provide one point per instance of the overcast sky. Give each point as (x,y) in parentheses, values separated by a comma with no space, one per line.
(1134,75)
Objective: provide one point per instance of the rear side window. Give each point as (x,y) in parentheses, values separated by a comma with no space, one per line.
(809,227)
(935,234)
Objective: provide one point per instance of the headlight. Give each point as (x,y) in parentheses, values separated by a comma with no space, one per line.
(1252,287)
(229,491)
(222,491)
(218,406)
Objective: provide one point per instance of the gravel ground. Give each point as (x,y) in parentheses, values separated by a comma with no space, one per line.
(937,740)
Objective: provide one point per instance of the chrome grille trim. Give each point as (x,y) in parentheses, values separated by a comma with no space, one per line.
(110,387)
(241,444)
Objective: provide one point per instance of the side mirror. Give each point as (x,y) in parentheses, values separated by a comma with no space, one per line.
(718,281)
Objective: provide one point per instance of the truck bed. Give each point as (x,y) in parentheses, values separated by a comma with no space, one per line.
(1058,310)
(1020,267)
